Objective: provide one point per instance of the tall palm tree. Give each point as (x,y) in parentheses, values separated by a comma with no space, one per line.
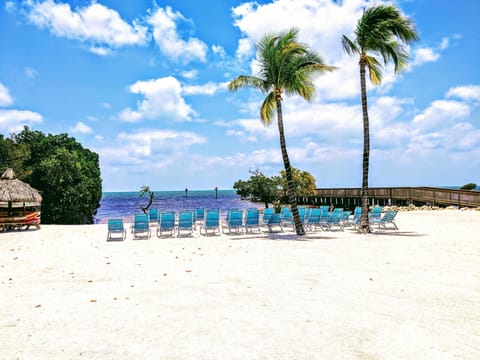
(286,66)
(382,30)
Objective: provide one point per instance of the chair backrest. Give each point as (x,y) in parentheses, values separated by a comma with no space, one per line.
(274,219)
(235,218)
(324,207)
(153,215)
(286,214)
(212,218)
(389,216)
(140,222)
(267,212)
(167,220)
(185,219)
(252,217)
(200,213)
(115,225)
(335,217)
(345,215)
(376,212)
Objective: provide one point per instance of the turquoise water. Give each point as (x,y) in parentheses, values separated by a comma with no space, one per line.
(125,204)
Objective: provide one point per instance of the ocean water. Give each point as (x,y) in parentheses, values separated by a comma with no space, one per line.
(125,204)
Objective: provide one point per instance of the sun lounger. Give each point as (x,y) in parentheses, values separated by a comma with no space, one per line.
(252,219)
(115,227)
(185,222)
(166,223)
(141,227)
(212,221)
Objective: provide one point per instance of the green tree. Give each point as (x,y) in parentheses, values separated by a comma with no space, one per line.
(382,30)
(303,182)
(13,156)
(67,175)
(259,186)
(262,187)
(469,186)
(286,67)
(243,188)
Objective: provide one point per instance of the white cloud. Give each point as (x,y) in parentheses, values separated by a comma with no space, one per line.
(439,114)
(424,55)
(209,88)
(218,50)
(189,74)
(468,92)
(100,50)
(162,100)
(9,6)
(5,97)
(95,24)
(15,120)
(168,40)
(30,72)
(81,128)
(149,149)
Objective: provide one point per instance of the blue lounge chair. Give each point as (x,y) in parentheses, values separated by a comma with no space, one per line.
(200,214)
(212,221)
(234,220)
(375,215)
(267,212)
(388,218)
(252,219)
(286,217)
(313,220)
(335,219)
(275,220)
(153,217)
(185,222)
(141,228)
(115,227)
(166,223)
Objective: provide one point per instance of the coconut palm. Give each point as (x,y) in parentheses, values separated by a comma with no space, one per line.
(286,66)
(382,30)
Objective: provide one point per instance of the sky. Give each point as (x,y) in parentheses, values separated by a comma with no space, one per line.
(144,84)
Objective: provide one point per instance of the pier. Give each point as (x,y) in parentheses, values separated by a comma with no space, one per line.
(349,198)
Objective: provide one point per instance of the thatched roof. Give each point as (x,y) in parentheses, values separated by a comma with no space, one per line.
(14,190)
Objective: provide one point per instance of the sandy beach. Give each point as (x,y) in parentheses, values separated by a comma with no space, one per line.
(412,293)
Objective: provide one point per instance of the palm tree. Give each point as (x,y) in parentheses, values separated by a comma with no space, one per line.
(382,30)
(286,66)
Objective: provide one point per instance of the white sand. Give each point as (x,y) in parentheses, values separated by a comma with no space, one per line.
(414,293)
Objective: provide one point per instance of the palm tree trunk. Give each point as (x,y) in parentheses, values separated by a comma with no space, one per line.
(288,173)
(364,224)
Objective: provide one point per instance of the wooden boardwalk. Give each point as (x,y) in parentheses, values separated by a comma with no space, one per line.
(402,196)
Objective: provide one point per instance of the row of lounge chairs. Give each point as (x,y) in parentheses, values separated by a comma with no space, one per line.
(239,221)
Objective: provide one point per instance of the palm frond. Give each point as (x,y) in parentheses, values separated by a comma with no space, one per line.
(246,81)
(267,109)
(374,69)
(349,46)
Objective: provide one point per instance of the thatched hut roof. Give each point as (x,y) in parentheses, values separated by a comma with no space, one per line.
(14,190)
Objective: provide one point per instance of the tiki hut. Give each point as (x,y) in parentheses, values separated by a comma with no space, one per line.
(19,203)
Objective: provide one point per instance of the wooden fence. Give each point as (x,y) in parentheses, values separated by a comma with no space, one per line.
(351,197)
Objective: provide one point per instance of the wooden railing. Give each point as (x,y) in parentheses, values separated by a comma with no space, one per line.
(410,195)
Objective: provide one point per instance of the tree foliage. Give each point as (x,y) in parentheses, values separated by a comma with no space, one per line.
(259,187)
(66,174)
(303,182)
(267,189)
(469,186)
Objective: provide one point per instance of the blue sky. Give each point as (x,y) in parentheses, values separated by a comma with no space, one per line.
(143,83)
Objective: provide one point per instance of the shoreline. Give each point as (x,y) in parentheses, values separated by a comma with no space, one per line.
(397,294)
